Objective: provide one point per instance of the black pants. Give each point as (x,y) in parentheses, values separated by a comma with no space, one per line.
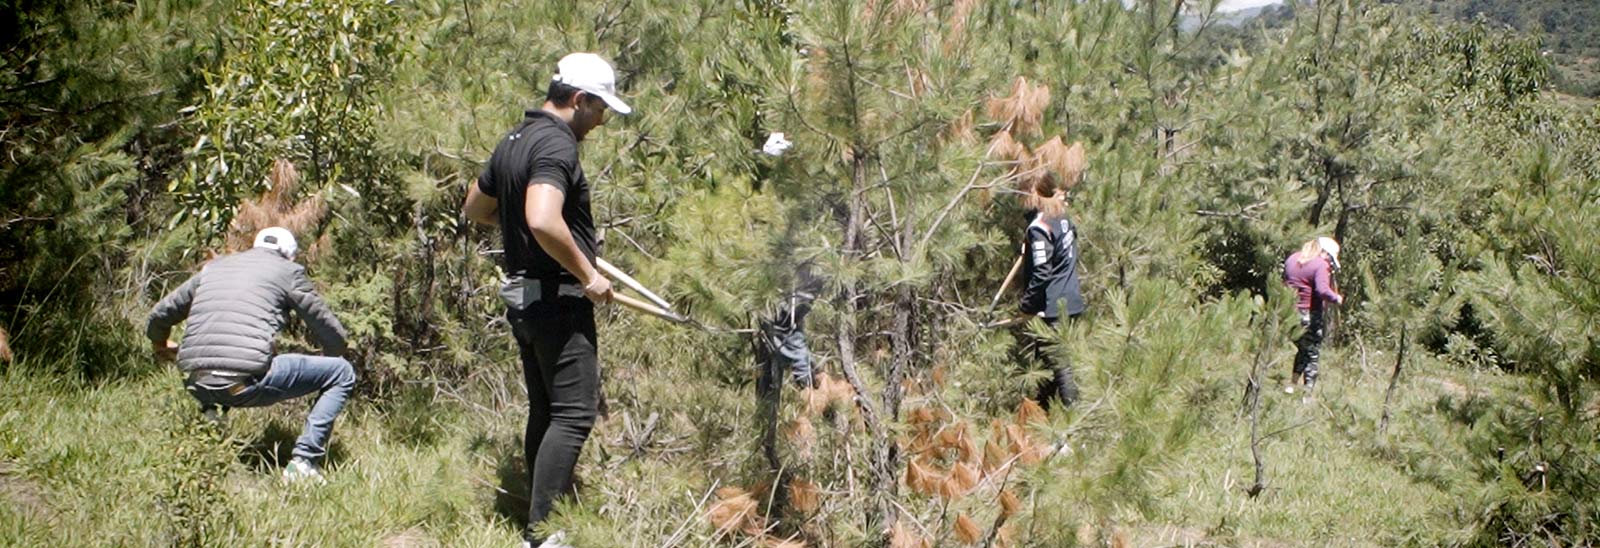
(1060,385)
(562,371)
(1309,345)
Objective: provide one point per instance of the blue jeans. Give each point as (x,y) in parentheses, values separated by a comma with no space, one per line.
(292,376)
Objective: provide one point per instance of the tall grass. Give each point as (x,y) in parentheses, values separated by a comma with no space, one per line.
(130,463)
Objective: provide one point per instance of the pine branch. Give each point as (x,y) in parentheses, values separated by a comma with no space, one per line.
(1243,213)
(795,108)
(944,212)
(10,222)
(1253,394)
(601,28)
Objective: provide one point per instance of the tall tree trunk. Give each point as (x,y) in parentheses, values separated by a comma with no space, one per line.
(1264,348)
(1324,190)
(769,386)
(1394,380)
(885,513)
(886,446)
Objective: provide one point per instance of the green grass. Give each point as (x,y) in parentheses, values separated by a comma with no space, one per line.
(111,464)
(1330,479)
(127,463)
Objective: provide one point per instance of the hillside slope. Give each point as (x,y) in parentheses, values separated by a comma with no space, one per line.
(1466,200)
(1569,31)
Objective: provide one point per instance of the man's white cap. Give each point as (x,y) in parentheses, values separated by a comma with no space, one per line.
(1331,248)
(593,75)
(279,239)
(776,144)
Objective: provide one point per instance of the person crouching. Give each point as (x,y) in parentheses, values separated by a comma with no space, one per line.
(234,308)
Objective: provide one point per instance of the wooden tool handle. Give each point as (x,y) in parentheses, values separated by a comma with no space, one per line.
(1011,277)
(647,308)
(1008,322)
(614,272)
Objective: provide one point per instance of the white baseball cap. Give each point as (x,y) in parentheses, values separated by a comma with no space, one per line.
(1330,247)
(593,75)
(279,239)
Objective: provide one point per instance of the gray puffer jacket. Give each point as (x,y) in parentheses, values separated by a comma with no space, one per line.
(235,306)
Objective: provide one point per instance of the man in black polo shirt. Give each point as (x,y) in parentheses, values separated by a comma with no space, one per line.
(535,191)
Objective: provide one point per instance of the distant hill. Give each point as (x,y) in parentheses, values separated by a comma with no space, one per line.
(1570,29)
(1233,19)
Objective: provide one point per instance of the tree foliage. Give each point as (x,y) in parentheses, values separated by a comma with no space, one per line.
(1464,199)
(300,81)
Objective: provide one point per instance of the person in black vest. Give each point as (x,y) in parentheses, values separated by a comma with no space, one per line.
(1050,278)
(534,189)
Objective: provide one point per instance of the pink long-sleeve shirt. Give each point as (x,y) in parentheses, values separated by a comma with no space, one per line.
(1312,280)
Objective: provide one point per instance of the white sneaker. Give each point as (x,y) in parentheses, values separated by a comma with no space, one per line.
(214,416)
(1288,389)
(300,469)
(558,540)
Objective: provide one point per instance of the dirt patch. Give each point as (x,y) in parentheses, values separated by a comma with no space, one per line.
(1168,535)
(410,538)
(1172,536)
(21,493)
(1453,388)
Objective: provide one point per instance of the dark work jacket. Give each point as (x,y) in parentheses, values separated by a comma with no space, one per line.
(1050,268)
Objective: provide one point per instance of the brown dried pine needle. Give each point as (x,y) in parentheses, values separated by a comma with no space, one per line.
(1065,162)
(1005,537)
(804,496)
(1021,445)
(962,131)
(1074,165)
(969,451)
(967,531)
(815,401)
(994,456)
(1029,412)
(840,393)
(950,490)
(1005,147)
(906,8)
(901,536)
(802,435)
(1009,504)
(964,477)
(923,478)
(950,438)
(771,542)
(1023,110)
(959,13)
(735,510)
(1119,538)
(275,208)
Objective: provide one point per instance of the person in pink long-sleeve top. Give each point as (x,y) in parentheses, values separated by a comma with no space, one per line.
(1310,272)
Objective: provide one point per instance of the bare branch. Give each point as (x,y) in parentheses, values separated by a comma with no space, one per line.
(1244,212)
